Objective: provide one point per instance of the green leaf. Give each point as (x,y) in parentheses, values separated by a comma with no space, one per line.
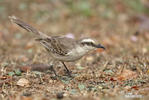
(5,64)
(18,72)
(80,67)
(81,87)
(73,91)
(11,73)
(30,50)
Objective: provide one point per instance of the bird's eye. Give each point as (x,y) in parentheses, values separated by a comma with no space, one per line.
(90,43)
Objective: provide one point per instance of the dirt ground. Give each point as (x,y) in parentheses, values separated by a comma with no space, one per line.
(120,72)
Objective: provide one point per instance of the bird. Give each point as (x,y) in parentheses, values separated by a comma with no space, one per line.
(60,48)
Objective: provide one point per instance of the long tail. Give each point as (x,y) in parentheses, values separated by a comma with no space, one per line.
(26,26)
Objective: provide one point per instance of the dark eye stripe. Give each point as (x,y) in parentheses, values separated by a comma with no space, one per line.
(88,43)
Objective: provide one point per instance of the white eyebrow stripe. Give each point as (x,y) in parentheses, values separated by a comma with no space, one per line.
(88,40)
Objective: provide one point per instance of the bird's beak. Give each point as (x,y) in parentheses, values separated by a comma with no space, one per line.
(100,46)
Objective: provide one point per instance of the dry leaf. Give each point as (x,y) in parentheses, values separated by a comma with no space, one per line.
(29,45)
(26,98)
(126,74)
(144,90)
(23,58)
(148,71)
(25,68)
(23,82)
(89,58)
(5,80)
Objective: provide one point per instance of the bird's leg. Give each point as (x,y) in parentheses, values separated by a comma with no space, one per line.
(68,72)
(51,67)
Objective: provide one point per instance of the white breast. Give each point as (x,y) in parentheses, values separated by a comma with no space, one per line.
(77,53)
(73,55)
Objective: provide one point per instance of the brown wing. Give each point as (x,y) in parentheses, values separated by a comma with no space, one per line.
(58,45)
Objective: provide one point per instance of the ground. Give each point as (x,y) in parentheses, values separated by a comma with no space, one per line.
(117,73)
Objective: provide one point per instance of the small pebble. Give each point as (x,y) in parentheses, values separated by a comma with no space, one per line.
(60,95)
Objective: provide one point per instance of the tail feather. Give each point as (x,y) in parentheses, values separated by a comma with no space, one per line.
(26,26)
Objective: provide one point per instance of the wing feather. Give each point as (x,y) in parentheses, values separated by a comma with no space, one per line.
(58,45)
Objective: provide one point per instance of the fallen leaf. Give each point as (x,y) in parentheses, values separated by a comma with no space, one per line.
(25,68)
(89,58)
(26,98)
(18,72)
(144,50)
(23,82)
(11,73)
(100,87)
(5,79)
(144,90)
(29,45)
(23,58)
(148,71)
(127,74)
(135,87)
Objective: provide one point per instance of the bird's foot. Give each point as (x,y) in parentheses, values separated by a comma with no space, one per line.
(68,73)
(52,69)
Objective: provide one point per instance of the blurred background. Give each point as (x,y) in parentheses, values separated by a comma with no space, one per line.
(122,26)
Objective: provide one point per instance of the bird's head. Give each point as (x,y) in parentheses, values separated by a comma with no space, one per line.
(90,44)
